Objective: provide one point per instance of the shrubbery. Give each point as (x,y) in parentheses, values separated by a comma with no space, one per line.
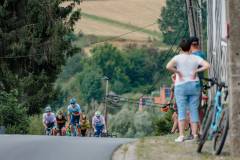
(13,115)
(36,127)
(128,123)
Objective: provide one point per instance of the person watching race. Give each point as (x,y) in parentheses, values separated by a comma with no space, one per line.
(61,121)
(49,120)
(98,124)
(74,116)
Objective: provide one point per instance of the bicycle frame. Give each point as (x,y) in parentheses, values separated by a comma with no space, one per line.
(217,111)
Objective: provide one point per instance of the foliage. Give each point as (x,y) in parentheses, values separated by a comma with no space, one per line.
(122,123)
(128,123)
(32,41)
(162,125)
(35,126)
(143,124)
(133,69)
(72,67)
(173,22)
(90,84)
(12,115)
(112,64)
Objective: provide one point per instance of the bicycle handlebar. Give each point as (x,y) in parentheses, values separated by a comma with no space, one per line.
(220,85)
(214,81)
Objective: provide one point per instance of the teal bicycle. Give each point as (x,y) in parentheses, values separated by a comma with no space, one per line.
(217,120)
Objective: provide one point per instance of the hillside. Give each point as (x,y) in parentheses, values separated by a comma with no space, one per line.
(114,17)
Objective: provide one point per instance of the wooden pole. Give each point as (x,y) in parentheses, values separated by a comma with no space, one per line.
(191,24)
(234,75)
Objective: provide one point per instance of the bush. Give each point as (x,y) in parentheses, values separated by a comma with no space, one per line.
(143,124)
(36,127)
(163,124)
(122,123)
(13,115)
(128,123)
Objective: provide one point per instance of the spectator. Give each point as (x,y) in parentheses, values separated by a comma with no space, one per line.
(187,86)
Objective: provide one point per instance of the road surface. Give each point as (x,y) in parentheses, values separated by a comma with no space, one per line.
(19,147)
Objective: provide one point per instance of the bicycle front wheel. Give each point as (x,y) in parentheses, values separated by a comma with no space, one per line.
(204,135)
(221,134)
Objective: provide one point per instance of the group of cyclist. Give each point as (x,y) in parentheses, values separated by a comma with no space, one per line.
(75,123)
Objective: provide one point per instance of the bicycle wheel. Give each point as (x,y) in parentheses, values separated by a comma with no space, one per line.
(221,134)
(205,118)
(204,136)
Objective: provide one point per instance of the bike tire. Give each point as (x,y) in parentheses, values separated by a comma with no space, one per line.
(204,136)
(219,139)
(205,118)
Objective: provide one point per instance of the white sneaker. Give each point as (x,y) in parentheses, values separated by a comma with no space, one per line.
(179,139)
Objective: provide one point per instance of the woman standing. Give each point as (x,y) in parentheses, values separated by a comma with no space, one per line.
(187,86)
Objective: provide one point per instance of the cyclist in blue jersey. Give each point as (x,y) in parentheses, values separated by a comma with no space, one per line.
(74,116)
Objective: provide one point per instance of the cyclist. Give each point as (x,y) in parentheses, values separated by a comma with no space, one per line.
(98,124)
(85,125)
(49,120)
(61,120)
(74,116)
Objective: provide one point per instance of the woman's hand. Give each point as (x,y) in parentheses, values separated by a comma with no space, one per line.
(180,75)
(194,75)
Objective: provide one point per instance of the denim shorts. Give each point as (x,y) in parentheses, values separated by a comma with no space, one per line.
(187,98)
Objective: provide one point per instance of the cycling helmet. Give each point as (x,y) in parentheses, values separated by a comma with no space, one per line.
(60,112)
(48,108)
(97,113)
(72,101)
(84,117)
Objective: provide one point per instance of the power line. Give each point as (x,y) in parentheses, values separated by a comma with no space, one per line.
(110,39)
(121,35)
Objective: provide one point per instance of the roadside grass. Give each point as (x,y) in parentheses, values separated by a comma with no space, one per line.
(164,147)
(122,25)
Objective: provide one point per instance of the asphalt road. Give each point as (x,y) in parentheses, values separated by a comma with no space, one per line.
(19,147)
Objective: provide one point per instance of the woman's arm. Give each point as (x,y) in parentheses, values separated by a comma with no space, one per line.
(204,66)
(171,67)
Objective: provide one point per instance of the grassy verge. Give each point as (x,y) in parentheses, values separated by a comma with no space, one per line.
(164,147)
(122,25)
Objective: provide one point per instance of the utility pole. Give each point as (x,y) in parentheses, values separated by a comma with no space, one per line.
(200,23)
(234,75)
(191,18)
(105,102)
(195,19)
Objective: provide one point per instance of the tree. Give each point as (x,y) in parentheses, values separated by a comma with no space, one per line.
(35,39)
(12,115)
(90,84)
(173,21)
(113,65)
